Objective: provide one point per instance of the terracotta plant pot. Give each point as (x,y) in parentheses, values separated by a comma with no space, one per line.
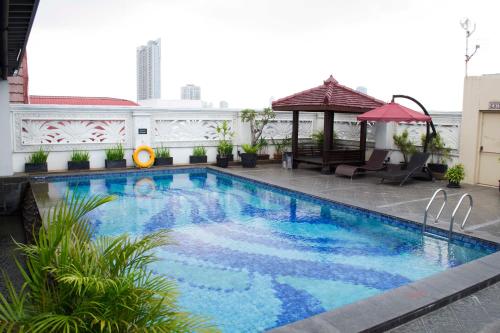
(262,157)
(83,165)
(197,159)
(35,167)
(115,164)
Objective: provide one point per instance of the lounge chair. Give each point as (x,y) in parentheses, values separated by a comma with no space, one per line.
(416,168)
(374,163)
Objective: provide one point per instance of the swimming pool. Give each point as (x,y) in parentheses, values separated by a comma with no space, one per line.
(252,256)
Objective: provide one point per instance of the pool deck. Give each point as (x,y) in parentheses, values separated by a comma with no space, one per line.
(410,306)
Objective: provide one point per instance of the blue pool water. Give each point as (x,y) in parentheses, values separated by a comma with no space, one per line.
(253,257)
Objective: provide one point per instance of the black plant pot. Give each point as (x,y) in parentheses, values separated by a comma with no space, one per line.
(164,161)
(437,167)
(115,164)
(83,165)
(248,160)
(222,162)
(35,167)
(403,165)
(230,157)
(197,159)
(263,157)
(453,184)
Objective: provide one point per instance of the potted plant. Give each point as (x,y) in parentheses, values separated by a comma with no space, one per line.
(262,154)
(249,157)
(257,121)
(319,137)
(162,156)
(405,145)
(199,155)
(455,175)
(115,157)
(439,154)
(225,144)
(224,149)
(280,147)
(37,161)
(79,160)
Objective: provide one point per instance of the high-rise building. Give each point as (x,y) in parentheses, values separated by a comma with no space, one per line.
(148,70)
(190,91)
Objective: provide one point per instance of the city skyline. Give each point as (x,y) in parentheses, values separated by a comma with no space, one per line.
(191,91)
(148,70)
(246,52)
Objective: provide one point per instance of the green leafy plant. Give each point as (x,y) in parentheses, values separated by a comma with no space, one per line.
(224,131)
(319,137)
(257,121)
(80,156)
(162,152)
(437,148)
(250,149)
(224,148)
(116,153)
(281,146)
(38,157)
(455,174)
(405,145)
(262,144)
(75,283)
(199,151)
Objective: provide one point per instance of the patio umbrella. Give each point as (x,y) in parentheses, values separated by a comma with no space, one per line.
(394,112)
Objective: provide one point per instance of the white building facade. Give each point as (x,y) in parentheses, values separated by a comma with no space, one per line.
(148,70)
(190,91)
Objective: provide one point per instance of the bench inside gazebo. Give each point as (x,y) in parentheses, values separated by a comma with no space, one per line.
(329,98)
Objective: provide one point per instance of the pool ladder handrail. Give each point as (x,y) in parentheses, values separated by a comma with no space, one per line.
(471,204)
(436,219)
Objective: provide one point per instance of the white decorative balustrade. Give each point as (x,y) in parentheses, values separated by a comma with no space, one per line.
(62,129)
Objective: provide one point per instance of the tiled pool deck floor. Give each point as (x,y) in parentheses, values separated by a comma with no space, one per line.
(407,202)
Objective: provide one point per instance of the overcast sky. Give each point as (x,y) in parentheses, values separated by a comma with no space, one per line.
(245,51)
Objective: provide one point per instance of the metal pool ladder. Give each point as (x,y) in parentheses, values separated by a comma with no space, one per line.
(445,200)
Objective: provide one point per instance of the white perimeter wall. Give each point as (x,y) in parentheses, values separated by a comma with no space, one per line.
(61,128)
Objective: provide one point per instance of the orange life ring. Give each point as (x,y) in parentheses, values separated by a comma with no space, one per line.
(149,162)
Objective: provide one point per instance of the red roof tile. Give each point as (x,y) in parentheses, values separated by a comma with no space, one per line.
(72,100)
(329,96)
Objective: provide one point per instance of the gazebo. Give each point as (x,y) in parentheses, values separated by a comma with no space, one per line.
(329,98)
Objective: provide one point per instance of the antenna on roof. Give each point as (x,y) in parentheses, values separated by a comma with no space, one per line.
(469,28)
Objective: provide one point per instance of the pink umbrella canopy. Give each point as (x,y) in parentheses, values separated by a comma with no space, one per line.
(393,112)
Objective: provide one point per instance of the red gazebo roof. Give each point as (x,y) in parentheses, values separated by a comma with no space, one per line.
(330,96)
(82,100)
(394,112)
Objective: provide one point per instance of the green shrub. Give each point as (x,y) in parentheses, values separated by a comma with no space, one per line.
(437,148)
(199,151)
(80,156)
(38,157)
(262,144)
(116,153)
(162,152)
(281,146)
(455,174)
(405,145)
(224,148)
(249,149)
(75,282)
(319,137)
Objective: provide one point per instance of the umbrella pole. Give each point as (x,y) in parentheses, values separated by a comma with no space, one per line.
(430,124)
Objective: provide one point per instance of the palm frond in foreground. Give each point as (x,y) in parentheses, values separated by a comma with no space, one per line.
(76,284)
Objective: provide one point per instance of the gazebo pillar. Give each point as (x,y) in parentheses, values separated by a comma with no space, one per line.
(295,138)
(328,139)
(362,140)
